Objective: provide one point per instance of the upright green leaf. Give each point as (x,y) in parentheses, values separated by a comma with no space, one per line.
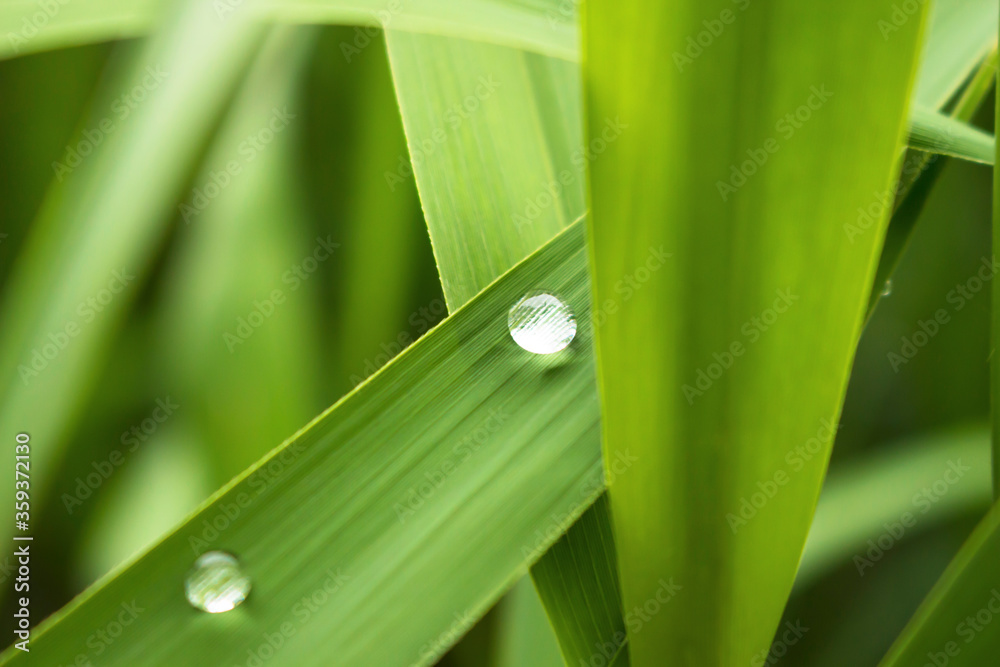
(731,297)
(494,134)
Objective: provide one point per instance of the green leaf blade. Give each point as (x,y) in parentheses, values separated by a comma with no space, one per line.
(704,359)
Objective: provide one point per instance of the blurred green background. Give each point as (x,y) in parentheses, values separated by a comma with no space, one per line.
(322,181)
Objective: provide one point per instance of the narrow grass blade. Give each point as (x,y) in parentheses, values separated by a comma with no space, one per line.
(936,132)
(729,324)
(953,625)
(578,582)
(500,132)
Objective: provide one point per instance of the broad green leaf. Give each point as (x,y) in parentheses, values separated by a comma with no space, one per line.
(104,220)
(864,499)
(936,132)
(545,26)
(506,176)
(730,296)
(954,624)
(440,479)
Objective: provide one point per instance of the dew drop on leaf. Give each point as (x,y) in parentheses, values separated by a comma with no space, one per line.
(216,583)
(887,288)
(542,323)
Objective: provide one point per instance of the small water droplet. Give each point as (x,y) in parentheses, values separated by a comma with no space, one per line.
(887,288)
(542,323)
(216,583)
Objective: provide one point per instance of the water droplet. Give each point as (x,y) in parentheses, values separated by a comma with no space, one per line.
(542,323)
(216,583)
(887,288)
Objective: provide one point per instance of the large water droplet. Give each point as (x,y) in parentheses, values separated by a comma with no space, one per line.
(887,288)
(542,323)
(216,583)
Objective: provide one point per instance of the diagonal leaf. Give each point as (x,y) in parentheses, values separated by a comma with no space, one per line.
(439,479)
(763,289)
